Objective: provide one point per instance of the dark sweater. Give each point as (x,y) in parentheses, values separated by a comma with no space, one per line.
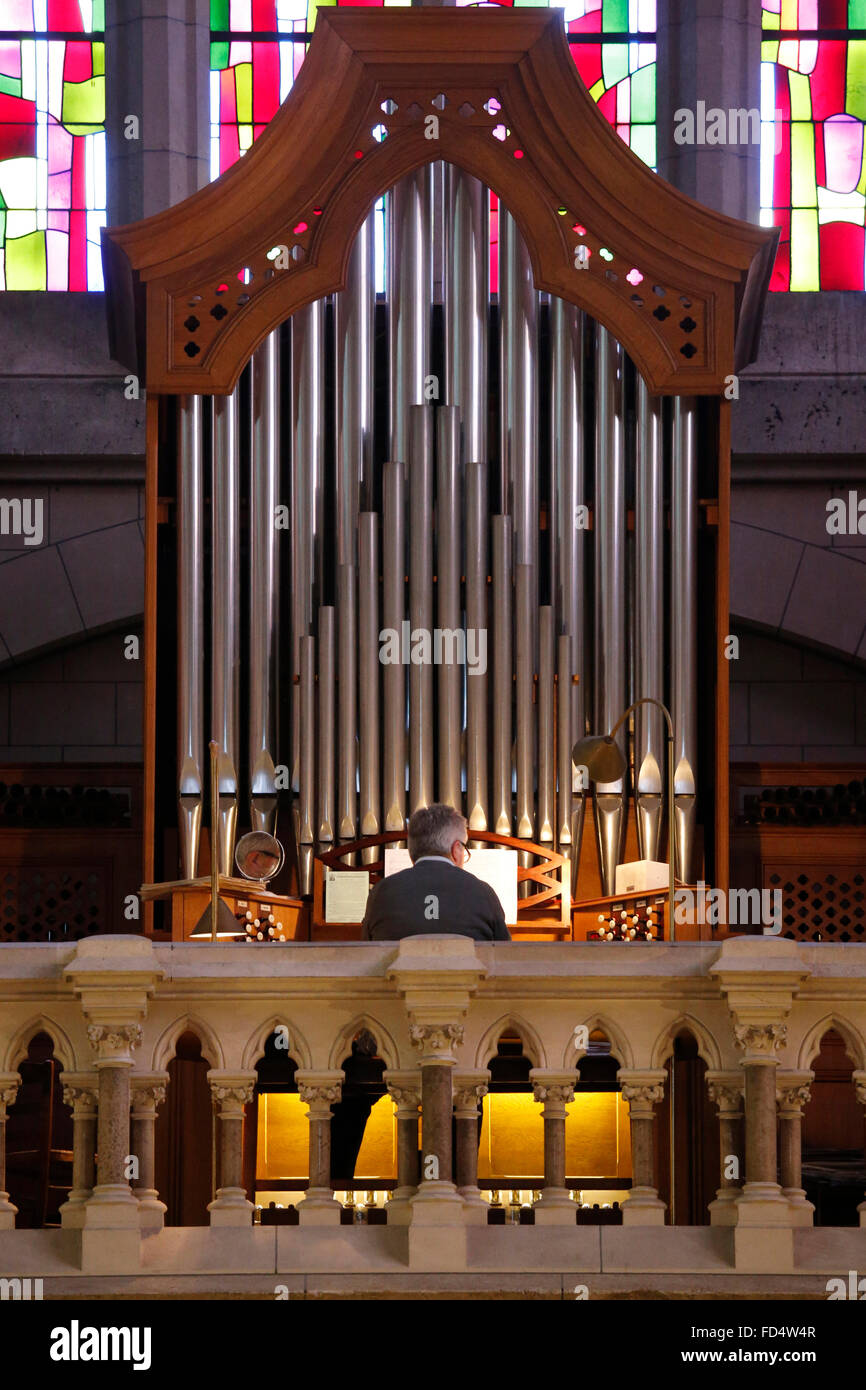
(433,897)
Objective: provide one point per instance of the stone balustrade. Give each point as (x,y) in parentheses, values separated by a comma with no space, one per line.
(115,1007)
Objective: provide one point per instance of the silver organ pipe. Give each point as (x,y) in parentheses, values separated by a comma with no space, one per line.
(684,563)
(225,618)
(518,302)
(376,730)
(410,292)
(306,483)
(650,732)
(450,631)
(502,796)
(420,606)
(568,559)
(263,568)
(190,632)
(394,672)
(476,571)
(325,724)
(368,673)
(609,552)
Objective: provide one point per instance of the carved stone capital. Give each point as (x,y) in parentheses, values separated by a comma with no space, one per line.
(467,1098)
(553,1090)
(642,1099)
(114,1042)
(547,1094)
(406,1098)
(760,1041)
(82,1099)
(232,1099)
(725,1089)
(792,1093)
(319,1090)
(148,1092)
(436,1041)
(859,1079)
(8,1091)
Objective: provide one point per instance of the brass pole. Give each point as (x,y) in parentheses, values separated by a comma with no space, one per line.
(649,700)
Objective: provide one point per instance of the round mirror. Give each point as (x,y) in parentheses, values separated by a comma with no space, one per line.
(259,856)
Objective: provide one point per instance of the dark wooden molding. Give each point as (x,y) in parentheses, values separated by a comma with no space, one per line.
(183,319)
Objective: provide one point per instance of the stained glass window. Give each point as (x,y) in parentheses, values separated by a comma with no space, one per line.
(257,47)
(813,174)
(52,144)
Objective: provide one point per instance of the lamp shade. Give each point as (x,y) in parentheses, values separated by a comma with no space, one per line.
(601,756)
(228,925)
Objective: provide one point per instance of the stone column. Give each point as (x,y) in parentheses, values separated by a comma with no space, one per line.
(9,1083)
(231,1091)
(404,1088)
(437,1198)
(726,1091)
(80,1091)
(148,1091)
(554,1090)
(792,1093)
(319,1091)
(859,1079)
(643,1090)
(761,1201)
(112,1203)
(470,1088)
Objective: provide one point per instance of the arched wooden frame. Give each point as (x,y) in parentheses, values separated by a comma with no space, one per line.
(192,291)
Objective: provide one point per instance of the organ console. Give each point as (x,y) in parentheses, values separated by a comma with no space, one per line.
(534,467)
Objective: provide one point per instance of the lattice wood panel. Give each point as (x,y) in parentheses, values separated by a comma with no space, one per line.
(820,902)
(41,902)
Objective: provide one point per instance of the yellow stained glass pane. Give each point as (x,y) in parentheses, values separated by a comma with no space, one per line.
(84,102)
(769,51)
(804,249)
(803,191)
(801,96)
(25,262)
(244,92)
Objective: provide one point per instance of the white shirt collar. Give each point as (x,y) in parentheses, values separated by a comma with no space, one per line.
(434,859)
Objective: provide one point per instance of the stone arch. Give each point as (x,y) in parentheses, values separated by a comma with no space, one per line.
(811,1043)
(298,1047)
(63,1049)
(619,1045)
(188,1023)
(532,1044)
(708,1048)
(384,1041)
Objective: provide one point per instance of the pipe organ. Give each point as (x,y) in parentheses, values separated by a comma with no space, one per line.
(424,540)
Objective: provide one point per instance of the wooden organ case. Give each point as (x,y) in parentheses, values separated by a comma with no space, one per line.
(546,464)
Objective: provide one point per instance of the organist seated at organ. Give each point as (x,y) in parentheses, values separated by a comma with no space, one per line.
(433,896)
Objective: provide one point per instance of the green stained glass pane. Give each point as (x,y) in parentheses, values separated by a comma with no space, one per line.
(25,262)
(857,14)
(84,102)
(770,51)
(643,94)
(614,63)
(804,250)
(855,93)
(10,85)
(99,60)
(804,192)
(643,142)
(614,17)
(771,21)
(534,4)
(244,87)
(2,227)
(801,96)
(219,14)
(313,7)
(219,56)
(99,15)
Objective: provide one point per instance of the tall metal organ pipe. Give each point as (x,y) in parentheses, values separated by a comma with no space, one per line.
(650,731)
(225,611)
(354,311)
(325,723)
(410,291)
(263,635)
(448,610)
(394,673)
(684,574)
(307,485)
(477,794)
(467,275)
(501,803)
(568,559)
(368,673)
(190,632)
(546,725)
(609,551)
(421,717)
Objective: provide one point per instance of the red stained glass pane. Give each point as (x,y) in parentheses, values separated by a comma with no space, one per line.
(782,93)
(588,24)
(230,150)
(65,14)
(782,168)
(228,102)
(16,109)
(17,141)
(264,15)
(842,250)
(832,14)
(820,163)
(266,86)
(607,105)
(827,82)
(587,59)
(79,198)
(78,250)
(78,62)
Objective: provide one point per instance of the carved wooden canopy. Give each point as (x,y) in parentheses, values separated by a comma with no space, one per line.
(193,290)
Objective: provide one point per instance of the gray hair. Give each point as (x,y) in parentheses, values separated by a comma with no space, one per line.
(433,830)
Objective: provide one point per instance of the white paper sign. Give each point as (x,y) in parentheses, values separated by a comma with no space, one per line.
(346,893)
(498,867)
